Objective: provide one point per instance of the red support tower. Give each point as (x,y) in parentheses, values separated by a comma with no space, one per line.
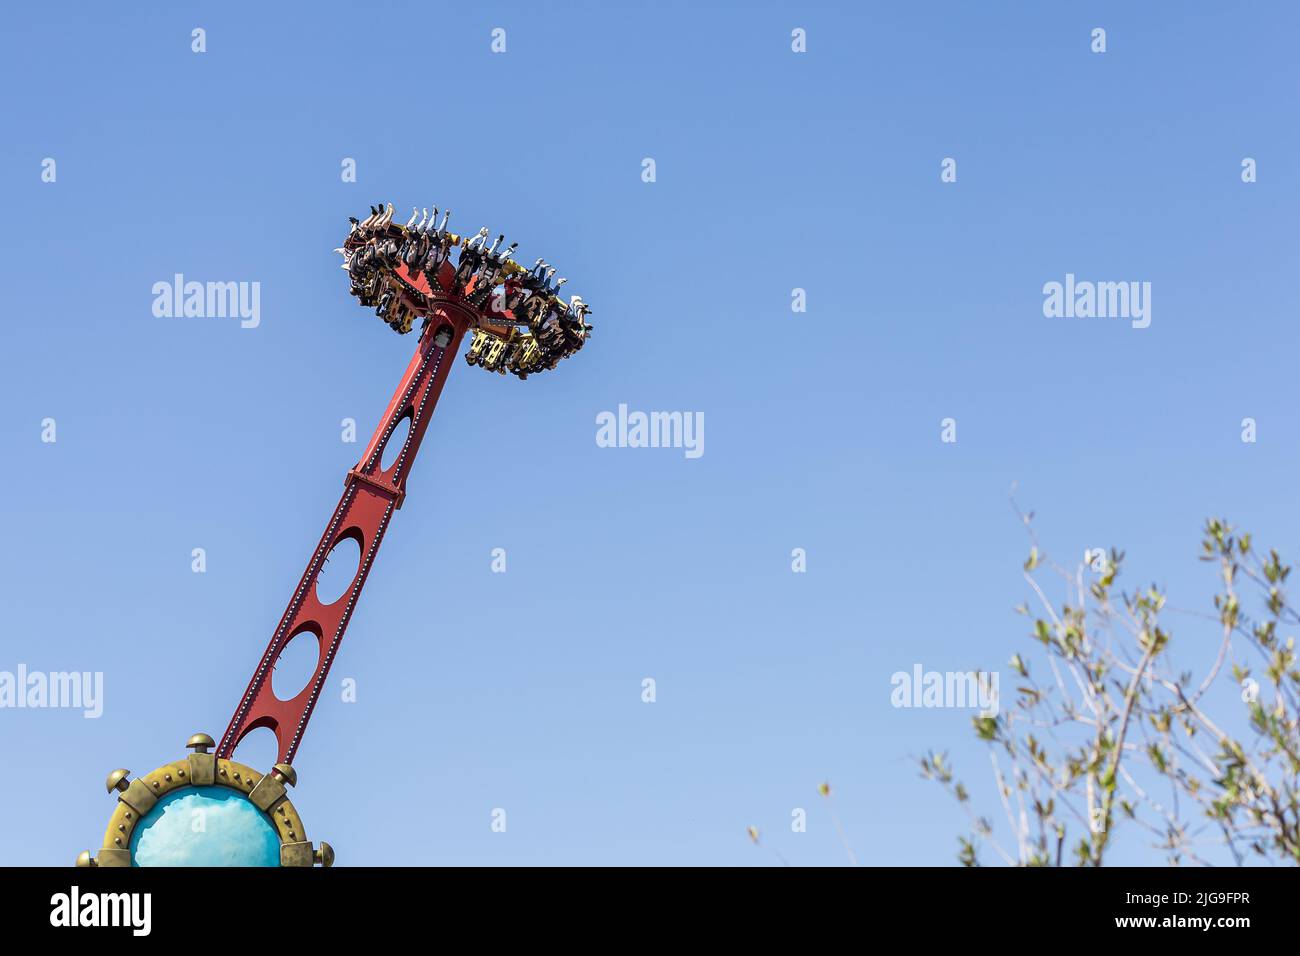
(520,325)
(370,496)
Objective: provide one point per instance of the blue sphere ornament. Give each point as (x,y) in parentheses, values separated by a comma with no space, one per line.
(205,826)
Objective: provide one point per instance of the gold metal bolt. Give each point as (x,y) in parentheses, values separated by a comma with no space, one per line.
(200,743)
(324,854)
(286,773)
(84,859)
(117,781)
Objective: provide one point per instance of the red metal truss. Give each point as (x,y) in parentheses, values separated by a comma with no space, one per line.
(370,496)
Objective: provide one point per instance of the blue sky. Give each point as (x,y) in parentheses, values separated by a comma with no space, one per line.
(775,171)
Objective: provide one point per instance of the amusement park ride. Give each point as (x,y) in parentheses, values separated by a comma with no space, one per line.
(519,325)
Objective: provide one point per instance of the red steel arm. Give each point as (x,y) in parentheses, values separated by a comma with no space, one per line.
(370,496)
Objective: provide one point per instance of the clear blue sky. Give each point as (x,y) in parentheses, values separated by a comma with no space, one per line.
(774,171)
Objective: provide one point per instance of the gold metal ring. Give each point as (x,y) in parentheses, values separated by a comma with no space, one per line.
(267,792)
